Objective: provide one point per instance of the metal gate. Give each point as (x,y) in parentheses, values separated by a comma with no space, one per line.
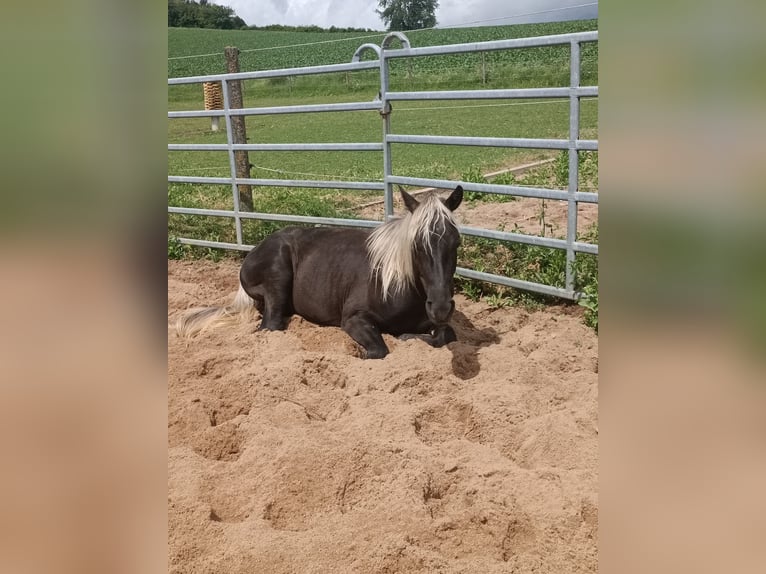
(382,104)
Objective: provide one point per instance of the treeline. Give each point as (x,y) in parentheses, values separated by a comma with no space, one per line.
(202,14)
(282,28)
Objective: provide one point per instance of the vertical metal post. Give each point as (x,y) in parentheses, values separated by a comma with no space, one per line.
(385,106)
(232,160)
(574,135)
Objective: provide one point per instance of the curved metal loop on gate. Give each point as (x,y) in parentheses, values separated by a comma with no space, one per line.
(357,57)
(400,36)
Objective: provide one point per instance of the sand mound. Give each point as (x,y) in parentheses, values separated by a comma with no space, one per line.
(290,454)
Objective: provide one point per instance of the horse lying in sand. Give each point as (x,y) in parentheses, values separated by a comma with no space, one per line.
(395,279)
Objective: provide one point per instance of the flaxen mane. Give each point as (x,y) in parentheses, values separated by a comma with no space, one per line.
(390,245)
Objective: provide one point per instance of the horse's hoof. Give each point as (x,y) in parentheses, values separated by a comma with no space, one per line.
(272,327)
(376,353)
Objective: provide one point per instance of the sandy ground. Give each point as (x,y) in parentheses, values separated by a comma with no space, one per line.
(289,454)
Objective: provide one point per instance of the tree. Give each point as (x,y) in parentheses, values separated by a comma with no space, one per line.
(202,14)
(402,15)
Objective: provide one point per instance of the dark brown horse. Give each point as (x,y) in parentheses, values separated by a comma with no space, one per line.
(396,279)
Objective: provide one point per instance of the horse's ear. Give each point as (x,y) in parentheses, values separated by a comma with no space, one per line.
(455,198)
(410,202)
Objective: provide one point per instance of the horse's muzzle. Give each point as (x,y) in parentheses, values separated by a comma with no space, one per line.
(440,312)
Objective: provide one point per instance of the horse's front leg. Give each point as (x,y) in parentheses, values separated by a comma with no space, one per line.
(362,329)
(438,337)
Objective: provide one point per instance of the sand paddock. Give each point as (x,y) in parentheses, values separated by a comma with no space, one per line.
(290,454)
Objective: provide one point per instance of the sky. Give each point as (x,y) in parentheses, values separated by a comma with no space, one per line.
(361,13)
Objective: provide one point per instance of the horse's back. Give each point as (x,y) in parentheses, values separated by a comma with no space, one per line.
(326,267)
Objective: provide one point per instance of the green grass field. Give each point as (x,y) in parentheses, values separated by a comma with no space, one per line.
(512,68)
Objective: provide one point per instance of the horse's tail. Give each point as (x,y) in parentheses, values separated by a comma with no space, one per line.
(195,321)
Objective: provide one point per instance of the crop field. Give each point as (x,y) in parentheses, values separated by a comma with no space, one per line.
(266,50)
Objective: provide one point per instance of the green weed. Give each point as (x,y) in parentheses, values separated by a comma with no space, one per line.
(292,201)
(529,263)
(474,175)
(587,170)
(586,279)
(498,301)
(176,249)
(472,289)
(589,300)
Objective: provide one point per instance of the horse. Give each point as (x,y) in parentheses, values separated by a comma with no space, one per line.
(395,279)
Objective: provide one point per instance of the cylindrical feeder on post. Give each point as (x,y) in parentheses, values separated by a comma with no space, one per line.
(213,93)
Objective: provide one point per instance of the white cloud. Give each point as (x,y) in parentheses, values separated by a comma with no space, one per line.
(497,12)
(361,13)
(323,13)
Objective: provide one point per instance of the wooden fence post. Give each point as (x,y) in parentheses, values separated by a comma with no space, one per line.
(239,134)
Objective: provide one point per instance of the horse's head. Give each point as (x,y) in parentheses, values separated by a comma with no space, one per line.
(435,250)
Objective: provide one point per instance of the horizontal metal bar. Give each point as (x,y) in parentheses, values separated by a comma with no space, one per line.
(586,197)
(588,145)
(216,244)
(365,185)
(550,242)
(276,217)
(536,240)
(198,147)
(516,237)
(314,108)
(351,146)
(585,248)
(497,189)
(280,147)
(584,91)
(516,283)
(491,142)
(536,41)
(536,192)
(196,114)
(479,141)
(198,179)
(261,74)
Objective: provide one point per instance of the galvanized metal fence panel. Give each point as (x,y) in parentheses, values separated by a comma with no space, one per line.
(382,105)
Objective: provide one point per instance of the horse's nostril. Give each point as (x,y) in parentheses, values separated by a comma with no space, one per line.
(440,311)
